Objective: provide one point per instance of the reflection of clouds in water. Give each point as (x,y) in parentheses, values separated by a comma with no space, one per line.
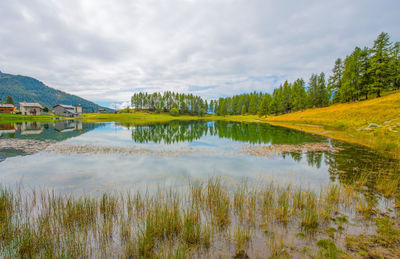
(117,169)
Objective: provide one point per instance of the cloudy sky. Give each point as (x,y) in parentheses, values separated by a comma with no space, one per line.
(106,50)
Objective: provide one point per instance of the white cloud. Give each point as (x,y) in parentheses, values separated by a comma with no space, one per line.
(120,105)
(106,50)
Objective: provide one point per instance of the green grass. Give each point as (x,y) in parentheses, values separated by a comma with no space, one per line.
(139,118)
(6,118)
(135,118)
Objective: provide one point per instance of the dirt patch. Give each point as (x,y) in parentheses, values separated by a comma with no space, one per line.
(272,150)
(28,146)
(106,150)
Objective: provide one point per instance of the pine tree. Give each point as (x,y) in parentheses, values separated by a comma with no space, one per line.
(9,100)
(253,104)
(395,65)
(222,107)
(276,106)
(298,95)
(335,80)
(379,69)
(264,106)
(243,111)
(312,92)
(323,94)
(355,78)
(286,97)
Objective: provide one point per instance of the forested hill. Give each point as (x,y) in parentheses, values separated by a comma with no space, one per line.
(28,89)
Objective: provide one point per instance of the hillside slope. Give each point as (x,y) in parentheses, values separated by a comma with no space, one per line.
(28,89)
(352,122)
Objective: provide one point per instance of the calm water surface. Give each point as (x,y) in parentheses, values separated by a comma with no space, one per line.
(122,157)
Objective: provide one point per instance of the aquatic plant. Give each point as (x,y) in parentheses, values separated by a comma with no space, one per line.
(202,220)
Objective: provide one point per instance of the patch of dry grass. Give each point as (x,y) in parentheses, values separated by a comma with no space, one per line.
(348,122)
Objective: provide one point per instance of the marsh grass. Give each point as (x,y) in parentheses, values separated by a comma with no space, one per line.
(242,236)
(200,221)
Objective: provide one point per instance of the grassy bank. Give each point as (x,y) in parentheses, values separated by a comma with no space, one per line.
(137,118)
(206,219)
(351,122)
(10,118)
(140,118)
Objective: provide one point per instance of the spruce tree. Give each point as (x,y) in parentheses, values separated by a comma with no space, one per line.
(335,80)
(264,106)
(395,65)
(9,100)
(379,69)
(243,111)
(312,92)
(286,97)
(253,105)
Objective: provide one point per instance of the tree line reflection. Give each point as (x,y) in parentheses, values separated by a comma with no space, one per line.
(351,164)
(252,133)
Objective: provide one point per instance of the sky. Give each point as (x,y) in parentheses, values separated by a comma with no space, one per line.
(105,51)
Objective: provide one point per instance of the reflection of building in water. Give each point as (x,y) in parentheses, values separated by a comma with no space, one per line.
(7,128)
(31,128)
(65,126)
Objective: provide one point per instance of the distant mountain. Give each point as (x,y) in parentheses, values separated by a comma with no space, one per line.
(28,89)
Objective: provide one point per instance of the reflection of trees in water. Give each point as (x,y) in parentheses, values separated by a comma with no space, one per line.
(356,165)
(169,133)
(367,170)
(351,164)
(245,132)
(314,158)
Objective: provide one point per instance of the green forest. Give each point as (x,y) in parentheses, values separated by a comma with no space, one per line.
(169,101)
(365,73)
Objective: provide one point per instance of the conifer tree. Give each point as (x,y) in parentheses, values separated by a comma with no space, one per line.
(379,69)
(243,111)
(264,106)
(335,80)
(9,100)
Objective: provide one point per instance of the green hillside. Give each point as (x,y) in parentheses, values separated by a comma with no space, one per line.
(28,89)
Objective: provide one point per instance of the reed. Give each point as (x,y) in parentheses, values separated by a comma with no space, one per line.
(203,221)
(282,210)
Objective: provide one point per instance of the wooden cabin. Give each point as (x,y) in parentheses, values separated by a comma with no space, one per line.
(7,108)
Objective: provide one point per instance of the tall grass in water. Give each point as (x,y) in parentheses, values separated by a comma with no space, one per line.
(206,220)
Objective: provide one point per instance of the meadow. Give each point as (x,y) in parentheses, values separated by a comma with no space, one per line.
(141,117)
(10,118)
(374,123)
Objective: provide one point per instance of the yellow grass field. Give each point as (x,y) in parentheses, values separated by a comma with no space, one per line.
(350,122)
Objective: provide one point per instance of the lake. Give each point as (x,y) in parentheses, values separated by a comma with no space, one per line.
(77,157)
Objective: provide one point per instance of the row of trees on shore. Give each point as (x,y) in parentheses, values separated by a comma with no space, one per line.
(364,73)
(170,101)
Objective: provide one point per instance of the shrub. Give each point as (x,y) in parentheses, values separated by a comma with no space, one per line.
(174,112)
